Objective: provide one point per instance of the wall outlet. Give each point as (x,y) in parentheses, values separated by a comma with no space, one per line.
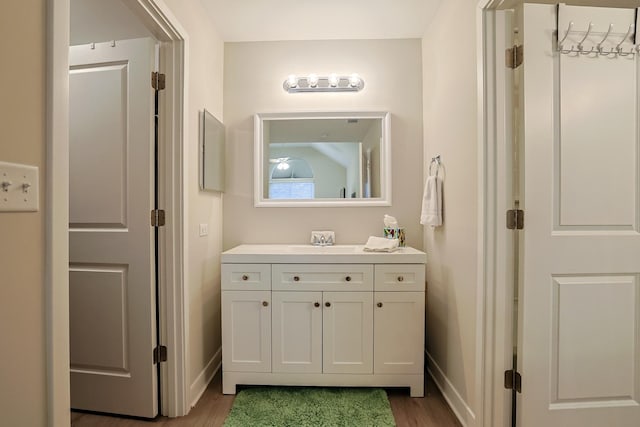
(204,229)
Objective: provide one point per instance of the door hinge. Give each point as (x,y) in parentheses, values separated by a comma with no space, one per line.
(515,219)
(514,56)
(513,380)
(157,80)
(157,218)
(159,354)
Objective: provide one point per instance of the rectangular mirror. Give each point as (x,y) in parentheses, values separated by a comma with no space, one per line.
(212,152)
(322,159)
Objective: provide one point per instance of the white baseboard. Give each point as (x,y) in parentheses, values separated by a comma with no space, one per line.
(204,378)
(459,407)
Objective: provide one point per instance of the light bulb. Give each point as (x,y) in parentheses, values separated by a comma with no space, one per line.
(313,80)
(292,80)
(354,80)
(333,80)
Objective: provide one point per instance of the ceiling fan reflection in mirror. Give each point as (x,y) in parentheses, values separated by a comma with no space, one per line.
(283,162)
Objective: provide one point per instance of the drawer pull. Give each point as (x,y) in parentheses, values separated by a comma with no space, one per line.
(379,304)
(327,304)
(316,304)
(348,278)
(265,303)
(400,278)
(296,278)
(245,277)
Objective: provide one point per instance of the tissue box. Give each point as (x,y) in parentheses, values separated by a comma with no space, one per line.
(395,233)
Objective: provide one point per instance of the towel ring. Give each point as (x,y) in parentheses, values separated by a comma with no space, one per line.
(437,162)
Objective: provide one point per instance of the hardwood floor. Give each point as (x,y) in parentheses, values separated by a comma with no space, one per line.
(213,407)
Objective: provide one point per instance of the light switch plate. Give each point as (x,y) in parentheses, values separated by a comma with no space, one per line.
(204,229)
(19,187)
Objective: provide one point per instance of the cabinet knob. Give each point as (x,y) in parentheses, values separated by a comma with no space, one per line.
(379,304)
(296,278)
(316,304)
(265,303)
(327,304)
(348,278)
(400,278)
(245,277)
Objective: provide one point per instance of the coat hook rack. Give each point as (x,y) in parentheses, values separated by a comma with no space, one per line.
(619,46)
(586,35)
(598,49)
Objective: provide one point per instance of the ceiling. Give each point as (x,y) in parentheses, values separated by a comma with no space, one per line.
(268,20)
(96,21)
(271,20)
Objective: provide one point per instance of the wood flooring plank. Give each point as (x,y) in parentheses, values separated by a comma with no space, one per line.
(214,407)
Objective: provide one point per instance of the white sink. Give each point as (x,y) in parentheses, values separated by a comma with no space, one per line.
(334,249)
(307,253)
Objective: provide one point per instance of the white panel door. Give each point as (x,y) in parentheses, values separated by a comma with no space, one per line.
(246,331)
(297,332)
(399,333)
(111,279)
(347,333)
(580,337)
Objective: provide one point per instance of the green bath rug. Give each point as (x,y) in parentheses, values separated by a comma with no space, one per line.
(310,406)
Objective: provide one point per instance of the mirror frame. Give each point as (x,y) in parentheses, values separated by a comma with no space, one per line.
(385,163)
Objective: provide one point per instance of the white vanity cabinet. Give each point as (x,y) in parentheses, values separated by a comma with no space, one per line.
(246,311)
(322,332)
(333,304)
(399,318)
(324,316)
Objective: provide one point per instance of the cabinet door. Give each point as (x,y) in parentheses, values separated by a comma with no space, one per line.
(399,332)
(246,331)
(347,332)
(297,332)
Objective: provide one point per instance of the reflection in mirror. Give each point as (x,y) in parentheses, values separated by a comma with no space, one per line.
(327,159)
(211,152)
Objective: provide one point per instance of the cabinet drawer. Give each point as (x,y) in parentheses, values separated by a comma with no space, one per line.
(399,277)
(322,277)
(248,277)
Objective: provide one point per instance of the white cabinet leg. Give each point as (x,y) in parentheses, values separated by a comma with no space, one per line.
(228,385)
(417,387)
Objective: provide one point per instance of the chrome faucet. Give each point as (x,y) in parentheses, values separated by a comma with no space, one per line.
(322,238)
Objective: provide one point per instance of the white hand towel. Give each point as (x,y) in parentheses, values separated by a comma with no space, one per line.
(432,202)
(380,244)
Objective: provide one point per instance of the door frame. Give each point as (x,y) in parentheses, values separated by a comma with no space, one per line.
(161,22)
(493,333)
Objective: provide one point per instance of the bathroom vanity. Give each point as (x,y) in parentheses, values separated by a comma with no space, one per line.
(323,316)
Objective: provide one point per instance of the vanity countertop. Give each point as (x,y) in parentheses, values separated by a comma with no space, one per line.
(308,254)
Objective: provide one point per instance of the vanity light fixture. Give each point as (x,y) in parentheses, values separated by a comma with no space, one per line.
(354,80)
(292,80)
(331,83)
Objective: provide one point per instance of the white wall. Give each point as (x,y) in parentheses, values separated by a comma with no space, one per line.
(202,269)
(22,293)
(449,79)
(254,73)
